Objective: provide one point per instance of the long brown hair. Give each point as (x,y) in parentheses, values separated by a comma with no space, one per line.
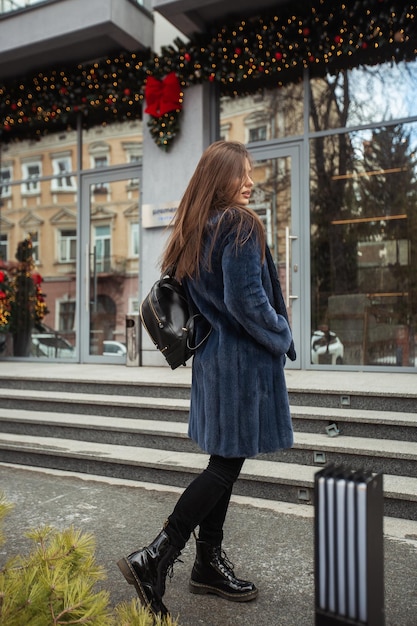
(212,188)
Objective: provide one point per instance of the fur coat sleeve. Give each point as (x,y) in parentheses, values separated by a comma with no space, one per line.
(246,298)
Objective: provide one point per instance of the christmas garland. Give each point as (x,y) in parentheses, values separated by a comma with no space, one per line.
(242,56)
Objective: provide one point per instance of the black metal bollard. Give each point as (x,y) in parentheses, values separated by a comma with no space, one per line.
(349,560)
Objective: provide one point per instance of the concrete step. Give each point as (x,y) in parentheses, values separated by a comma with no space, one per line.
(133,424)
(397,425)
(113,405)
(287,482)
(380,391)
(376,455)
(124,388)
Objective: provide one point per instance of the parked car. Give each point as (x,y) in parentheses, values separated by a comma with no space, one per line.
(114,348)
(47,342)
(326,348)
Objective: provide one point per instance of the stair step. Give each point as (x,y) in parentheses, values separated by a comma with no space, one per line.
(94,404)
(364,423)
(382,455)
(399,418)
(260,478)
(353,422)
(132,423)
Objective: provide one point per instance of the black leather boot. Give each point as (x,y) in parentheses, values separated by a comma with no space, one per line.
(147,570)
(213,573)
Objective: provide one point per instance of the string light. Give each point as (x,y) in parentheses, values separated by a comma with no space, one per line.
(243,56)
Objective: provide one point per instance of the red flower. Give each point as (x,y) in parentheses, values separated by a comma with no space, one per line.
(187,57)
(1,276)
(2,295)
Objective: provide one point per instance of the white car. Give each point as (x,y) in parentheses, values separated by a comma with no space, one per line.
(326,348)
(114,348)
(46,342)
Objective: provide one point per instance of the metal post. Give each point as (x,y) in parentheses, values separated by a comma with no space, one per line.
(132,340)
(349,548)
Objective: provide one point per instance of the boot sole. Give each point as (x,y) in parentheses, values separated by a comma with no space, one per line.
(201,589)
(132,578)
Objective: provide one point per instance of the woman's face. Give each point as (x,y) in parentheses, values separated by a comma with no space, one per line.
(244,192)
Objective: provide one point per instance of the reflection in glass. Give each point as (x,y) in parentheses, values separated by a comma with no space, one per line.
(272,114)
(116,144)
(44,212)
(113,263)
(364,244)
(271,199)
(363,95)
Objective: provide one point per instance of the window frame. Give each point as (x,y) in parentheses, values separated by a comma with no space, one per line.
(32,183)
(69,242)
(6,187)
(63,180)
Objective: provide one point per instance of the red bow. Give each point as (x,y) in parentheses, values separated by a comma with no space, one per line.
(162,96)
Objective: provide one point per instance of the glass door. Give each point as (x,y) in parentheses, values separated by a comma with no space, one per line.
(109,263)
(277,200)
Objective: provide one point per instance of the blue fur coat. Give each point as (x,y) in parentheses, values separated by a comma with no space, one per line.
(239,400)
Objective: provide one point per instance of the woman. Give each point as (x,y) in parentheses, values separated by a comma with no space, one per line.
(239,401)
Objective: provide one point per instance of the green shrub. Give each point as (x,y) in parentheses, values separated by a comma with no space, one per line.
(54,584)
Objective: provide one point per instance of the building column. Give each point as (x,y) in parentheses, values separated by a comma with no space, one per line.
(165,176)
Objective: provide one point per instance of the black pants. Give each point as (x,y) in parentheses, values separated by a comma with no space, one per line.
(204,503)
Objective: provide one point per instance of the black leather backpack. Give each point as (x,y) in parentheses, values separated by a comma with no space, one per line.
(167,316)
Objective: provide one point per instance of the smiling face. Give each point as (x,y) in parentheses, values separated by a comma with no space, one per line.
(245,189)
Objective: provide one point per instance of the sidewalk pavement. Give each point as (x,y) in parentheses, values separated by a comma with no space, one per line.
(270,543)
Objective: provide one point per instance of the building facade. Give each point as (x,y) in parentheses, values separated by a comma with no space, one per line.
(333,164)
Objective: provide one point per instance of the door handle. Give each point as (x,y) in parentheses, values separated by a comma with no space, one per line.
(288,241)
(87,278)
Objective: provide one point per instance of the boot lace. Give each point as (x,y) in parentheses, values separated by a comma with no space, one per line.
(170,568)
(224,561)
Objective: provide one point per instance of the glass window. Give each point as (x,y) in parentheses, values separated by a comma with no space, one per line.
(31,172)
(35,246)
(133,305)
(364,95)
(67,245)
(364,246)
(5,179)
(12,5)
(134,239)
(135,158)
(272,114)
(66,315)
(61,166)
(114,142)
(4,247)
(100,162)
(102,248)
(257,134)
